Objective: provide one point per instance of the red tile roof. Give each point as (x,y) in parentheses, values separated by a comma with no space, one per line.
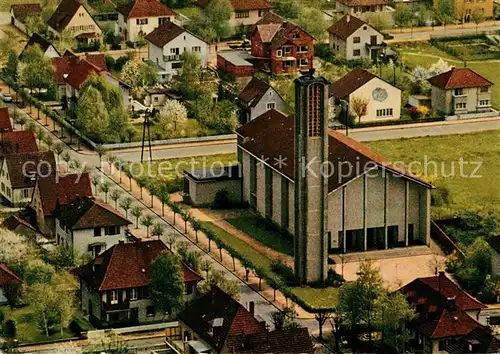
(352,3)
(453,324)
(8,277)
(284,341)
(62,190)
(459,78)
(98,60)
(66,64)
(18,142)
(242,5)
(22,11)
(80,72)
(346,26)
(271,137)
(164,34)
(5,123)
(126,265)
(23,168)
(350,83)
(145,8)
(254,91)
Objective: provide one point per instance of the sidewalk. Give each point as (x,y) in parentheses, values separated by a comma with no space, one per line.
(470,25)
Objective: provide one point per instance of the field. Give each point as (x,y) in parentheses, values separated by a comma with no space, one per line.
(466,192)
(188,128)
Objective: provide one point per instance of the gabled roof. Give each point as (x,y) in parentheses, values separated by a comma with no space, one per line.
(271,137)
(87,213)
(80,72)
(63,14)
(346,26)
(126,265)
(269,18)
(22,11)
(254,91)
(36,39)
(13,221)
(5,123)
(352,3)
(242,5)
(350,83)
(275,30)
(66,64)
(8,277)
(61,190)
(18,142)
(285,341)
(480,339)
(164,34)
(232,319)
(459,78)
(145,8)
(98,60)
(23,168)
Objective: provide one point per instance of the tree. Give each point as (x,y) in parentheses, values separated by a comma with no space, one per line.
(195,224)
(158,230)
(10,329)
(14,247)
(475,268)
(477,16)
(111,160)
(101,151)
(176,209)
(66,158)
(444,12)
(136,212)
(42,300)
(141,182)
(115,196)
(11,69)
(213,24)
(190,258)
(164,197)
(218,279)
(172,114)
(58,149)
(206,266)
(378,20)
(403,15)
(34,24)
(186,217)
(285,319)
(36,271)
(6,45)
(105,186)
(147,221)
(48,141)
(12,293)
(312,21)
(139,75)
(65,41)
(125,204)
(167,283)
(91,114)
(36,71)
(321,316)
(359,105)
(289,9)
(189,78)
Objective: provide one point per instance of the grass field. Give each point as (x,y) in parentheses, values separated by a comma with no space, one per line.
(188,128)
(264,232)
(318,298)
(466,193)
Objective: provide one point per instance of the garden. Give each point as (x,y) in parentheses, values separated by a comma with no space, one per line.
(469,47)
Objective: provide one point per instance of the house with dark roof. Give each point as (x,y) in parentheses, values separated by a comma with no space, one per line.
(71,16)
(19,13)
(19,172)
(20,226)
(384,99)
(141,17)
(461,91)
(56,190)
(282,46)
(48,49)
(354,39)
(7,278)
(114,287)
(167,43)
(359,7)
(89,225)
(5,123)
(216,323)
(257,98)
(17,142)
(246,12)
(447,317)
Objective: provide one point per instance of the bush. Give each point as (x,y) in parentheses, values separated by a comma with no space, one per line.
(333,279)
(221,200)
(440,196)
(285,272)
(9,329)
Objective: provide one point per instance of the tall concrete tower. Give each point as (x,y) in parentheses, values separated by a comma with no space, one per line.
(311,181)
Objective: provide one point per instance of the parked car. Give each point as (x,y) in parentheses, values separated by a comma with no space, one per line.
(7,97)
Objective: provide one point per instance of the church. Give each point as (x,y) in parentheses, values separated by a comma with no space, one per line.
(330,192)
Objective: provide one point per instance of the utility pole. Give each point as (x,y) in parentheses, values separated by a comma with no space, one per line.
(144,127)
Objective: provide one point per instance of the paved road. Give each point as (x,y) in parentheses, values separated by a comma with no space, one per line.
(440,32)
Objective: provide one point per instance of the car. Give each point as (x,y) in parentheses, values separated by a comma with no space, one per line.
(7,97)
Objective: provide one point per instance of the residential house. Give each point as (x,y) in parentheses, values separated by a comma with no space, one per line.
(167,43)
(246,13)
(156,97)
(19,13)
(283,46)
(89,225)
(257,98)
(395,204)
(384,99)
(5,122)
(141,17)
(20,226)
(216,323)
(446,314)
(7,278)
(48,49)
(465,10)
(352,38)
(17,142)
(73,17)
(460,91)
(235,64)
(56,190)
(479,340)
(114,287)
(19,172)
(358,7)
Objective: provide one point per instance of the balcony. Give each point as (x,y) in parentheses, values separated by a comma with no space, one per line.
(120,306)
(173,57)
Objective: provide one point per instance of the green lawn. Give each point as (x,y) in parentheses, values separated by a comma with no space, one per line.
(318,298)
(27,330)
(188,128)
(264,232)
(189,12)
(5,4)
(466,193)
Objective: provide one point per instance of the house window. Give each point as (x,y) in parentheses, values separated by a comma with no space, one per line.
(270,105)
(365,28)
(189,288)
(386,112)
(111,230)
(26,193)
(150,311)
(461,105)
(356,40)
(113,297)
(484,102)
(134,294)
(242,14)
(279,53)
(176,65)
(163,20)
(3,187)
(303,49)
(356,53)
(287,50)
(459,92)
(196,49)
(155,99)
(174,51)
(141,21)
(295,35)
(484,89)
(303,62)
(97,231)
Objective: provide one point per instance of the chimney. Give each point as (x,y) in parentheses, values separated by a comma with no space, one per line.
(348,18)
(440,276)
(17,147)
(251,307)
(450,303)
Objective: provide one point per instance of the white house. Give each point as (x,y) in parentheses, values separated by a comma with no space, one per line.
(360,6)
(258,97)
(141,17)
(166,45)
(352,38)
(89,225)
(48,49)
(384,99)
(19,13)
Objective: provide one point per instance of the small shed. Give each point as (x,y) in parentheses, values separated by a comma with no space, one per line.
(419,100)
(201,186)
(235,63)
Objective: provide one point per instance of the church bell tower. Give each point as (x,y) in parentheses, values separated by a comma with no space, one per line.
(311,181)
